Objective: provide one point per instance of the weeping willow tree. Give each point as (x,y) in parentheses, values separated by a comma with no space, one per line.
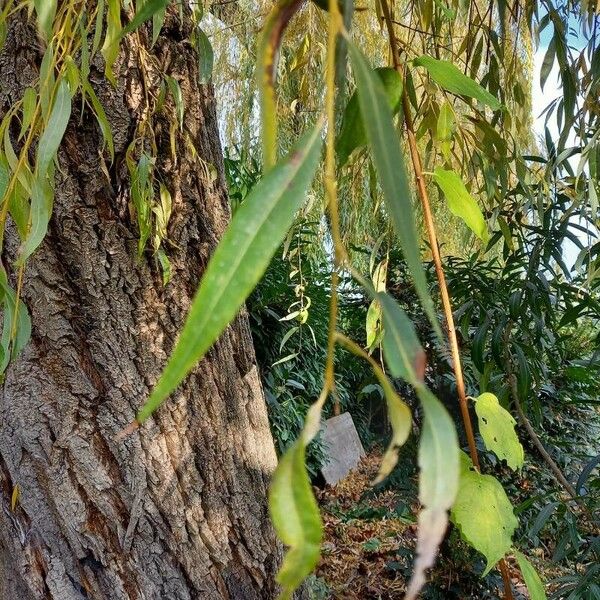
(114,206)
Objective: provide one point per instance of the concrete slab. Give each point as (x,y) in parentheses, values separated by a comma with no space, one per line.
(343,447)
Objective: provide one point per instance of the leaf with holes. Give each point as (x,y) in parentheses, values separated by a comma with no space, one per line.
(497,428)
(483,514)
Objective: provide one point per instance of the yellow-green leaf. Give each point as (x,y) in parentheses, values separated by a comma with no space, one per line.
(45,11)
(29,102)
(389,163)
(534,584)
(242,256)
(446,75)
(296,519)
(460,202)
(438,483)
(205,57)
(497,428)
(483,514)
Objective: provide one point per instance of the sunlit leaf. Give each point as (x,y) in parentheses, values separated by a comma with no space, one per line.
(29,102)
(205,57)
(451,78)
(483,514)
(246,248)
(460,202)
(45,12)
(352,133)
(438,483)
(296,519)
(534,584)
(389,163)
(497,428)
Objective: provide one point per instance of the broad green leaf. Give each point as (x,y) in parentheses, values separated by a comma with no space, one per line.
(401,347)
(296,519)
(438,483)
(45,11)
(352,133)
(534,584)
(446,75)
(389,163)
(254,234)
(483,514)
(400,419)
(205,57)
(497,428)
(460,202)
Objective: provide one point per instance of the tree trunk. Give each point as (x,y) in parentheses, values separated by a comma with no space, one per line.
(176,510)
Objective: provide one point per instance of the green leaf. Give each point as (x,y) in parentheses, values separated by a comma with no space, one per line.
(534,584)
(484,514)
(205,57)
(438,483)
(29,102)
(446,75)
(497,428)
(110,47)
(445,129)
(401,421)
(352,133)
(175,90)
(547,63)
(54,129)
(12,347)
(241,258)
(389,163)
(460,202)
(103,123)
(148,9)
(45,11)
(296,519)
(401,347)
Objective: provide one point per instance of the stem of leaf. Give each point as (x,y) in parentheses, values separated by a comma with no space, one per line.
(445,296)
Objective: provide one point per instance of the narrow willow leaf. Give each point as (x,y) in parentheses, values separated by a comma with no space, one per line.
(147,10)
(461,203)
(389,163)
(547,63)
(45,11)
(400,419)
(352,133)
(12,347)
(103,123)
(110,47)
(373,324)
(446,75)
(29,102)
(54,129)
(497,428)
(296,519)
(534,584)
(438,484)
(158,20)
(241,258)
(402,350)
(483,514)
(445,129)
(175,90)
(205,57)
(42,197)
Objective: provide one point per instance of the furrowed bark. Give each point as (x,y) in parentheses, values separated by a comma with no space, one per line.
(178,509)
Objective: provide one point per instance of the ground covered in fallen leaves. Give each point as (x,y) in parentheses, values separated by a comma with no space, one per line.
(369,542)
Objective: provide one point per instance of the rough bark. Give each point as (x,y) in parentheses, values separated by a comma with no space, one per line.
(178,509)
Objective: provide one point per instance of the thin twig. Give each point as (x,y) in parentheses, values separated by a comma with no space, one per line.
(447,306)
